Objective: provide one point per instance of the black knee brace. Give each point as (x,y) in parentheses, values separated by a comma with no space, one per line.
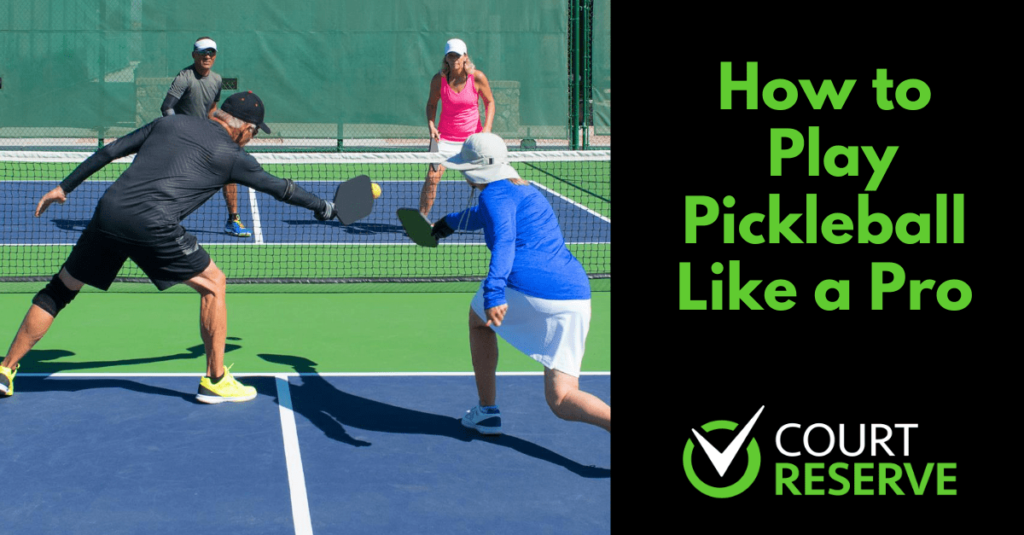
(54,297)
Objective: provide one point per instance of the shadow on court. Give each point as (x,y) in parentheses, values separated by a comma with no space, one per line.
(331,410)
(41,384)
(48,361)
(77,225)
(354,228)
(218,232)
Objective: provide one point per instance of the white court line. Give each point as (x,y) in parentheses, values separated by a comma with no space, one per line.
(257,229)
(572,202)
(296,478)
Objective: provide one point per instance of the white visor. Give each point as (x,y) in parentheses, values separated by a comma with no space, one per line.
(203,44)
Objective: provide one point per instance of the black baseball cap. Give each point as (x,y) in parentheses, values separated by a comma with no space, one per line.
(248,107)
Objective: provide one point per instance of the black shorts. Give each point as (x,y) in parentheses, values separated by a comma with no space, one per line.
(98,256)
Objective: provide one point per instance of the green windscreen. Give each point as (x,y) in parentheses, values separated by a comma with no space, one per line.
(326,69)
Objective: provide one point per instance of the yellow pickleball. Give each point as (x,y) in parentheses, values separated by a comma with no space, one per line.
(376,190)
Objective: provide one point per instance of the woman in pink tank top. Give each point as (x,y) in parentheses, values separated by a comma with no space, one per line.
(459,87)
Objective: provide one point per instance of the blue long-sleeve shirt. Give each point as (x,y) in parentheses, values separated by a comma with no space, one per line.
(528,252)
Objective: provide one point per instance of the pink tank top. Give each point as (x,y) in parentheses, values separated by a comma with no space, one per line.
(460,115)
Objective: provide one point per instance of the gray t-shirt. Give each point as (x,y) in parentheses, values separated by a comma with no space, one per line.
(195,95)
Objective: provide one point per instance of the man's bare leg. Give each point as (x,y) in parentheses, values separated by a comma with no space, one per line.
(37,321)
(230,192)
(213,316)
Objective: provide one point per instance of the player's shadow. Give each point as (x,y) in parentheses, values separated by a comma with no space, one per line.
(47,361)
(214,232)
(333,410)
(60,384)
(76,225)
(354,228)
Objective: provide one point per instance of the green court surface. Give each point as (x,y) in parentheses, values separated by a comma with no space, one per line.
(346,332)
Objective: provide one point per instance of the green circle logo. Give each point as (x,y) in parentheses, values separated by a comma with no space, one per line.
(753,464)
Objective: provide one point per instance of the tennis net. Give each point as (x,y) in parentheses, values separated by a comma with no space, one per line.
(287,244)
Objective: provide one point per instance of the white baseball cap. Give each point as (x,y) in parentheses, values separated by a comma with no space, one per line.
(483,159)
(455,45)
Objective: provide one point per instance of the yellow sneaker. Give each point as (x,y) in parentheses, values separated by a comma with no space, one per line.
(227,389)
(7,380)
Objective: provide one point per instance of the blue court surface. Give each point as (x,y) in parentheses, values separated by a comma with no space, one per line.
(311,454)
(270,220)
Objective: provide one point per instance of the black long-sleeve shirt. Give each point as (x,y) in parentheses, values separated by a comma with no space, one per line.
(180,162)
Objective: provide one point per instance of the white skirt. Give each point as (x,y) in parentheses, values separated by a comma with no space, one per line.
(552,332)
(449,148)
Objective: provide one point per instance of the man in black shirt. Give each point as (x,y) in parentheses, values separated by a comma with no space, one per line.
(181,161)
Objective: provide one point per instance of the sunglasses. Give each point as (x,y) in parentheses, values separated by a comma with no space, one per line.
(207,52)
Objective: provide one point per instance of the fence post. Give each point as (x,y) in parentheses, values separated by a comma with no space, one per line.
(586,120)
(574,76)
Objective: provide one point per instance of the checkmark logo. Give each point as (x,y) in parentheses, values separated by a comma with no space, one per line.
(721,460)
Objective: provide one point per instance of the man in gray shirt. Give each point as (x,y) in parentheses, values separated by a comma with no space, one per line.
(196,91)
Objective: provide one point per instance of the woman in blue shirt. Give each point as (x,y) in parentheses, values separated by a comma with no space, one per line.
(536,294)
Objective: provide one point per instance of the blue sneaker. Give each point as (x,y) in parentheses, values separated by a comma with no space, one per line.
(236,228)
(485,421)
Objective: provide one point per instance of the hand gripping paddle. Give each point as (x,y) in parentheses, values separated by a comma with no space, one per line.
(354,199)
(417,227)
